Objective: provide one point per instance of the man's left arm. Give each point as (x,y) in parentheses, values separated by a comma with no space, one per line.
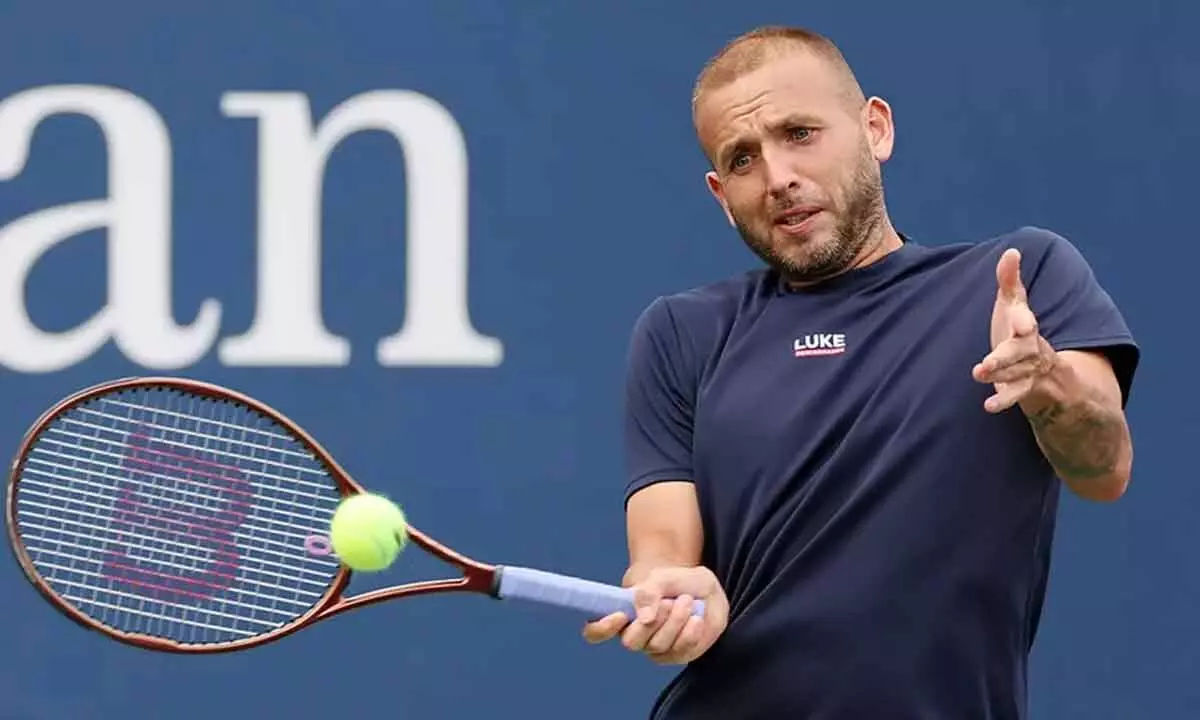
(1064,355)
(1076,412)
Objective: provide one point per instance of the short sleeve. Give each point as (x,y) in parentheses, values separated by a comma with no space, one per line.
(659,402)
(1075,313)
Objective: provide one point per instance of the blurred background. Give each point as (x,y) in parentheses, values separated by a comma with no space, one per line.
(460,207)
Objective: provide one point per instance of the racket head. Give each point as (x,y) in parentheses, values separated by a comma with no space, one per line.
(181,516)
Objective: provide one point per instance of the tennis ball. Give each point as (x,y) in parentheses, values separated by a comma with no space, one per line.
(367,532)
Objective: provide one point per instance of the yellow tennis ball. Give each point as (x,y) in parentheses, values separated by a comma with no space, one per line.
(367,532)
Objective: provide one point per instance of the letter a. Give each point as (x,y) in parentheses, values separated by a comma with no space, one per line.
(137,314)
(288,327)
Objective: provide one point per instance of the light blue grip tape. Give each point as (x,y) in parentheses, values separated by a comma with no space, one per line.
(596,599)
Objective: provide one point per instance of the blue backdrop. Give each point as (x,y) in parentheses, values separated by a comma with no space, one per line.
(193,141)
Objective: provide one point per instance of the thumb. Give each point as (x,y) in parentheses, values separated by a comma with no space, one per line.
(645,602)
(1023,321)
(1008,277)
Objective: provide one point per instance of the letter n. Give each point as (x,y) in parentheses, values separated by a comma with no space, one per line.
(288,327)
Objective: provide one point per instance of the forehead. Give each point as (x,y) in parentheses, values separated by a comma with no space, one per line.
(790,84)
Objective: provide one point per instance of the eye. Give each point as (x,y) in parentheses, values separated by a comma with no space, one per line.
(739,161)
(800,134)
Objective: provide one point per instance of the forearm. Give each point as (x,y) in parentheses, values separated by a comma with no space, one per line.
(663,528)
(1081,428)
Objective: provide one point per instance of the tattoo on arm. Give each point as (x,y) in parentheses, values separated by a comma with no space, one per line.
(1082,440)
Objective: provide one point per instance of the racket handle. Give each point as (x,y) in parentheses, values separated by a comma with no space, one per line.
(587,596)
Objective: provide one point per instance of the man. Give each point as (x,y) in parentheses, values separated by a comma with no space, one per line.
(854,455)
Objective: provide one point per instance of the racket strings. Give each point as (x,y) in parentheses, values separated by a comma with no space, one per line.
(111,472)
(169,514)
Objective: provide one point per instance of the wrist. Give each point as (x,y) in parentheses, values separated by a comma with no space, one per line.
(1053,384)
(639,569)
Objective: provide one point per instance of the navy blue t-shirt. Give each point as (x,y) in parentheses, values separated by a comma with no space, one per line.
(883,540)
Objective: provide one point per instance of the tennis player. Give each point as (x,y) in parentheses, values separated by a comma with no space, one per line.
(854,455)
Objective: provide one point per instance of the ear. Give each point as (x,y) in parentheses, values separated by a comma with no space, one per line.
(879,127)
(718,192)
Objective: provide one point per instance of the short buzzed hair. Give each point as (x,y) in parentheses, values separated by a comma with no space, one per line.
(749,51)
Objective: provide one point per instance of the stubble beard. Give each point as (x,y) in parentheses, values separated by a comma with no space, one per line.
(856,229)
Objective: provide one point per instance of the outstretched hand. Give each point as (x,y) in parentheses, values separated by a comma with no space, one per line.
(665,629)
(1020,356)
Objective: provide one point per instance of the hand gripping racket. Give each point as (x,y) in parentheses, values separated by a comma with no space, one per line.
(181,516)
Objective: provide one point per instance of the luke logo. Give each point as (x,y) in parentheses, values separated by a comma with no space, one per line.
(819,344)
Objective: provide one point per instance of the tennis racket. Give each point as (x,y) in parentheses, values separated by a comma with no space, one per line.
(181,516)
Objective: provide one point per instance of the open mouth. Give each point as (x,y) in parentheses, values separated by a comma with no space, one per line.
(796,217)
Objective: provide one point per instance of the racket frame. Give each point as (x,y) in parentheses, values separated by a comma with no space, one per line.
(477,577)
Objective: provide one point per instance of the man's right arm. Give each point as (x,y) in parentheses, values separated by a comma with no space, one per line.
(663,529)
(665,542)
(662,513)
(663,524)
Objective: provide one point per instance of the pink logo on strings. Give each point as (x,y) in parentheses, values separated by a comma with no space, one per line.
(176,506)
(318,545)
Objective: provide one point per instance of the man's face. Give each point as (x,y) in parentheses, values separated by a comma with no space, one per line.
(796,166)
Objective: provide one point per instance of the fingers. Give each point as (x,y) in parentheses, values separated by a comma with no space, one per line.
(1015,360)
(646,600)
(650,619)
(665,639)
(690,641)
(1013,379)
(1006,396)
(1007,371)
(652,611)
(682,637)
(687,646)
(606,628)
(1007,355)
(1027,369)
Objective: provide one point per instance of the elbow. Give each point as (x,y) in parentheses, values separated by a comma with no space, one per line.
(1109,487)
(1105,490)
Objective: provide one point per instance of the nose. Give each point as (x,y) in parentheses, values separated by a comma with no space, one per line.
(781,176)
